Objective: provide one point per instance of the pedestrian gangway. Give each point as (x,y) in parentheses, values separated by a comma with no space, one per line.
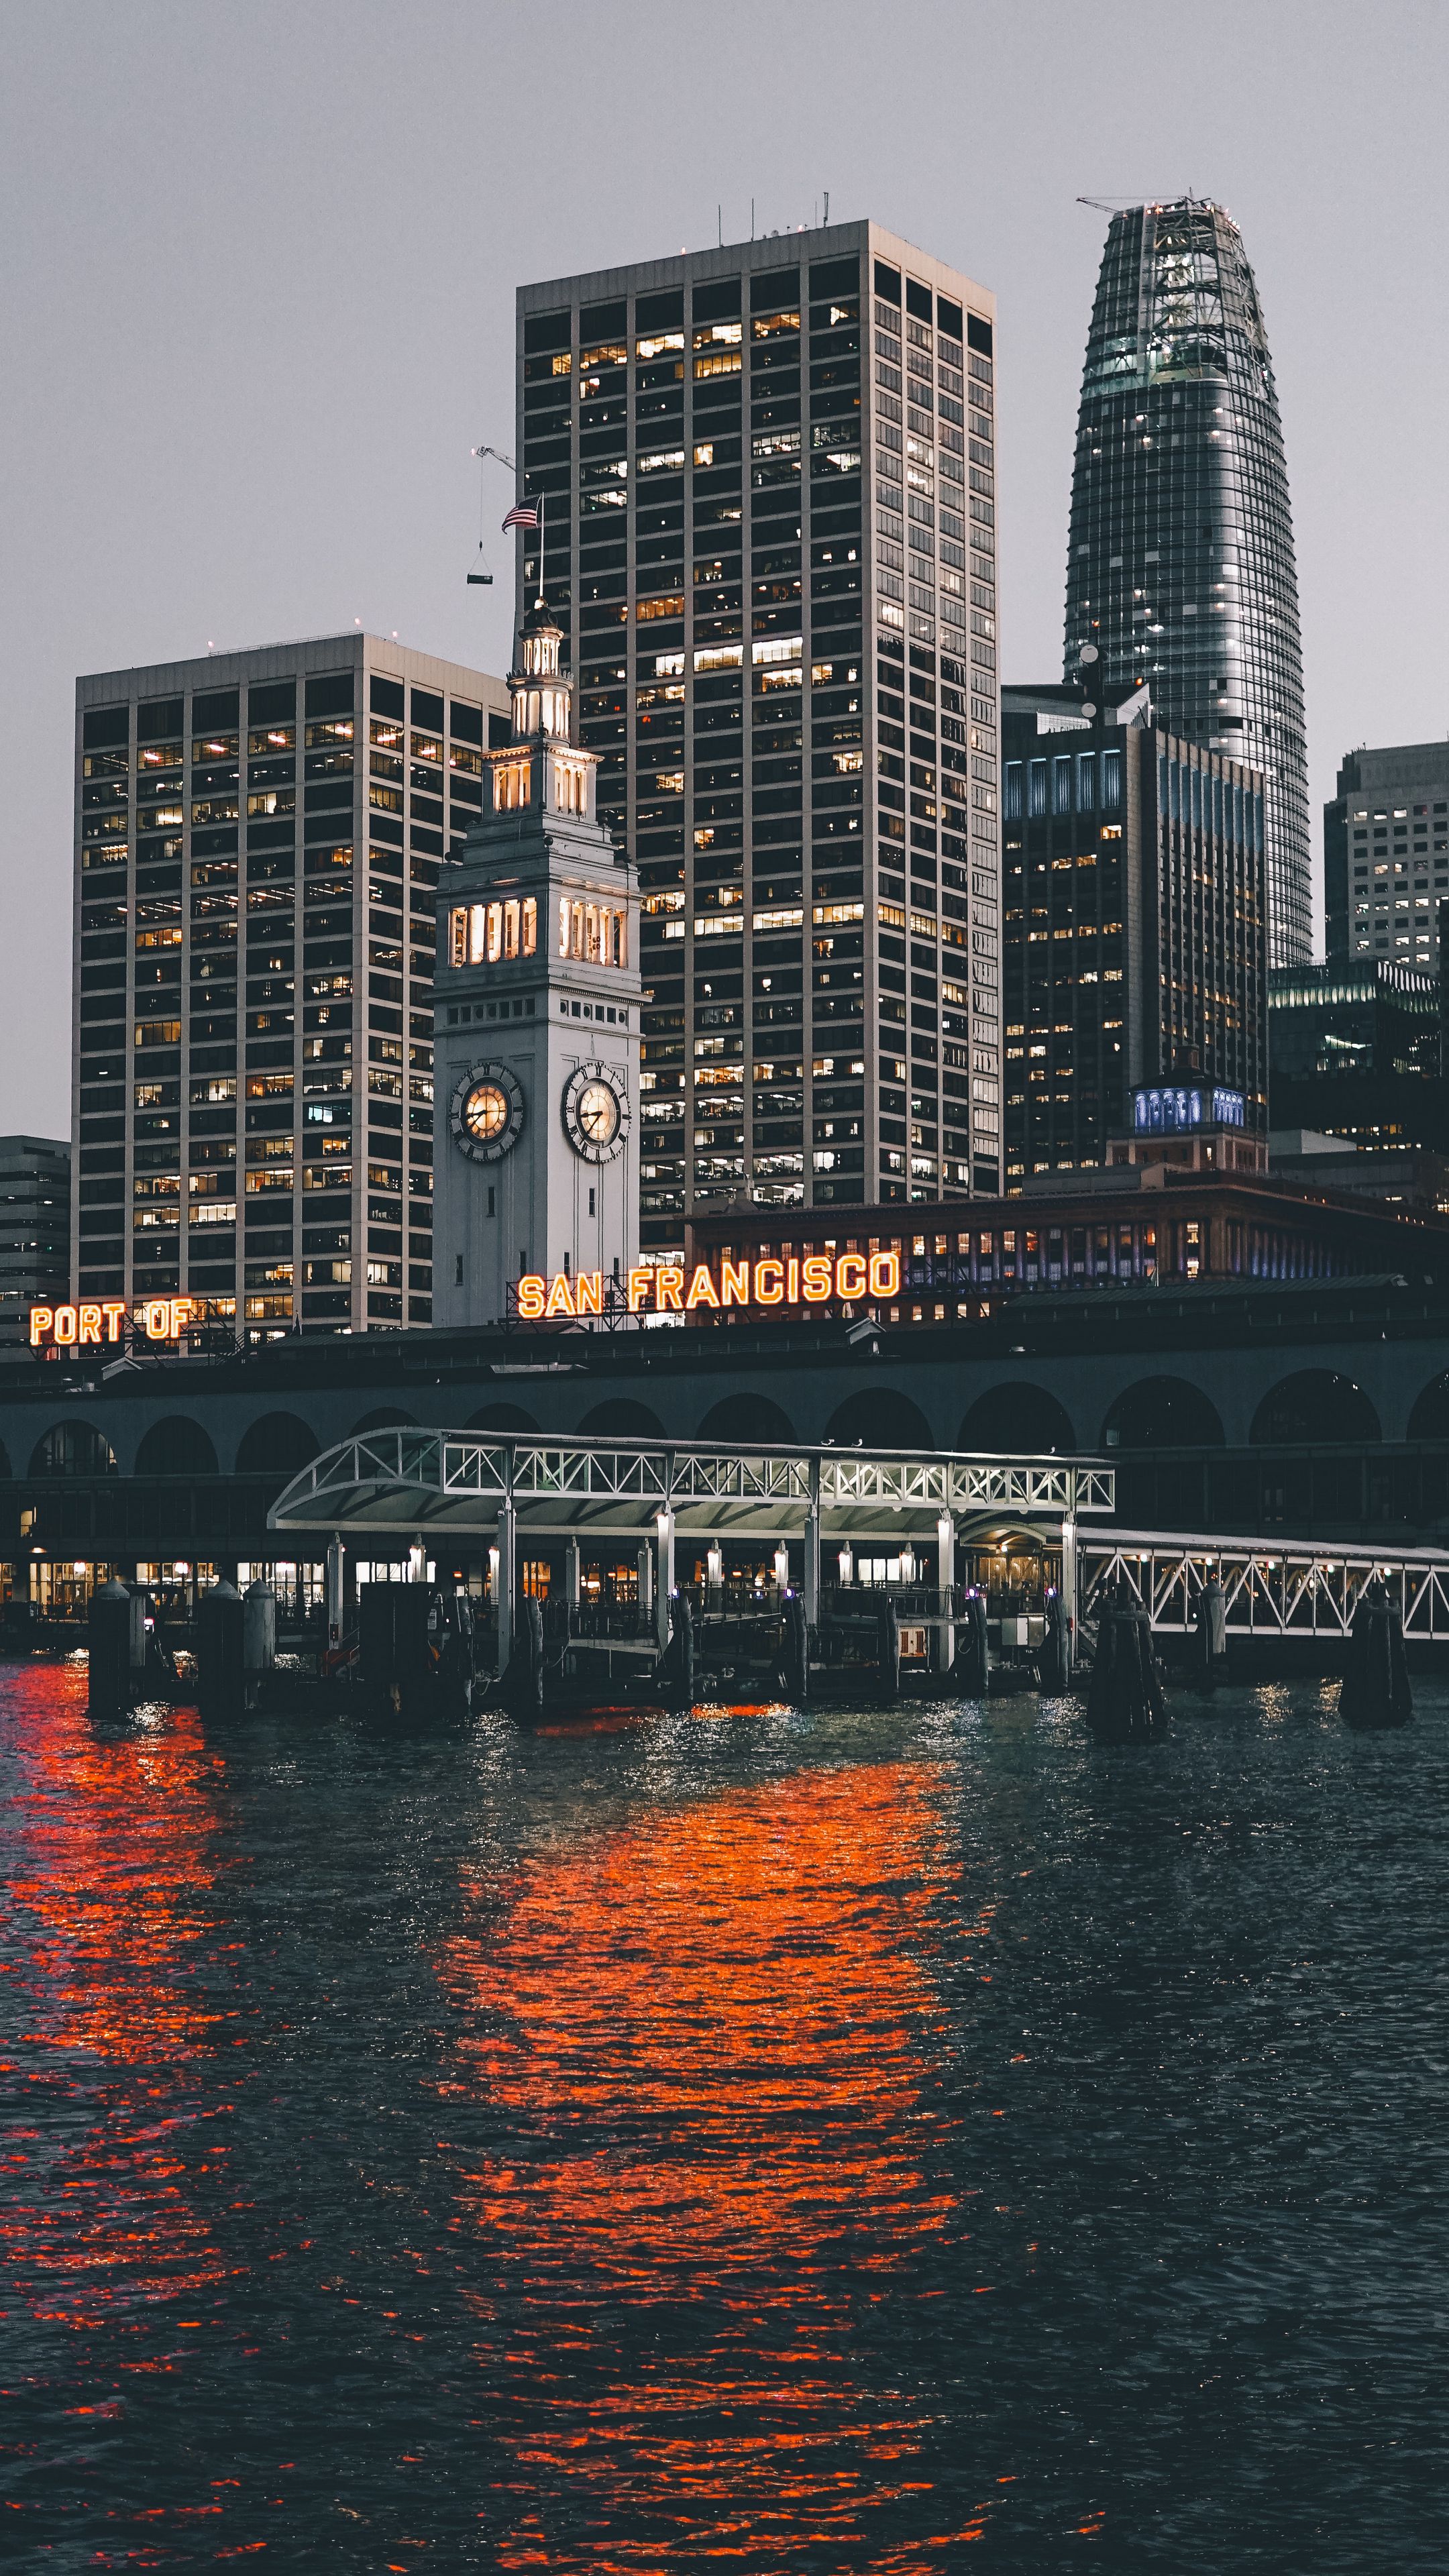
(1271,1588)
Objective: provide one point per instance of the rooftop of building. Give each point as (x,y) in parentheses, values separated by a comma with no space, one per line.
(1368,767)
(303,653)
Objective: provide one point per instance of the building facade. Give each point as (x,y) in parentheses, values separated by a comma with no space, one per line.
(34,1227)
(1135,945)
(258,841)
(1181,573)
(1386,855)
(1356,1049)
(537,1017)
(766,475)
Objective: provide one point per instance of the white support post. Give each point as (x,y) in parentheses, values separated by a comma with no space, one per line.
(336,1581)
(665,1523)
(1069,1585)
(812,1548)
(507,1537)
(571,1575)
(944,1637)
(646,1589)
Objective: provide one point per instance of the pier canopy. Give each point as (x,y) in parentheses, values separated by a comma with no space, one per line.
(405,1479)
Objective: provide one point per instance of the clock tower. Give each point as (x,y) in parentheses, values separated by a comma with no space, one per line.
(536,1018)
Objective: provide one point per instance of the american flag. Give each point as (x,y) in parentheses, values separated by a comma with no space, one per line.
(524,514)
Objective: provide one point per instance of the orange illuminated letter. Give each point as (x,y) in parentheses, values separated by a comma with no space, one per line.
(560,1295)
(815,1276)
(113,1308)
(65,1323)
(666,1291)
(769,1282)
(531,1293)
(89,1323)
(180,1315)
(157,1318)
(885,1273)
(640,1283)
(734,1283)
(41,1320)
(589,1293)
(701,1290)
(850,1275)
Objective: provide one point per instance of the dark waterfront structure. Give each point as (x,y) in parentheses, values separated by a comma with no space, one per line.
(1134,944)
(1180,566)
(767,476)
(1253,1359)
(1356,1049)
(34,1227)
(257,847)
(1386,855)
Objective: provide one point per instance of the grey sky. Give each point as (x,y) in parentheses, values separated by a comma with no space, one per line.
(258,293)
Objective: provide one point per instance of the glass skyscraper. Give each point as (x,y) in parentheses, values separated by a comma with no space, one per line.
(767,480)
(1180,567)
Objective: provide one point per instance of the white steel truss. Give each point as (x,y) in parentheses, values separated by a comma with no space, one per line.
(406,1479)
(1287,1588)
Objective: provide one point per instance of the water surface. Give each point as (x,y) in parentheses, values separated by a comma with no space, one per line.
(840,2142)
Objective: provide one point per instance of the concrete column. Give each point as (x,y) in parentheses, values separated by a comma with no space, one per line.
(714,1562)
(336,1582)
(507,1574)
(646,1589)
(665,1522)
(571,1575)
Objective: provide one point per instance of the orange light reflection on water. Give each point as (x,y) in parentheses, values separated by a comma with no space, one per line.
(114,1832)
(714,2035)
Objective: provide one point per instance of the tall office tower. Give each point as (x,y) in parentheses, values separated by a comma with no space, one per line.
(257,848)
(1386,854)
(767,477)
(34,1228)
(1135,950)
(1180,565)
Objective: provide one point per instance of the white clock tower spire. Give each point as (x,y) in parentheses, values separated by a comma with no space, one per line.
(536,1018)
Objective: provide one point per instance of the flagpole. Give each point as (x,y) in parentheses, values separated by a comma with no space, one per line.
(541,506)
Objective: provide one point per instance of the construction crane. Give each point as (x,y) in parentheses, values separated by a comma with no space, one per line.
(482,579)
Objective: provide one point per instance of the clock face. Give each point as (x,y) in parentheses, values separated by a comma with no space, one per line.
(596,1112)
(487,1112)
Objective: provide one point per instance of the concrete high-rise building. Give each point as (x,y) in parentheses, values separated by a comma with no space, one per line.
(257,847)
(1386,854)
(537,1047)
(1180,567)
(767,479)
(34,1228)
(1135,951)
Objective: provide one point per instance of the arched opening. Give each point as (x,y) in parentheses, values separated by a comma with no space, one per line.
(745,1420)
(879,1417)
(1162,1413)
(1017,1416)
(1315,1406)
(175,1446)
(388,1417)
(73,1449)
(500,1417)
(278,1444)
(621,1419)
(1430,1417)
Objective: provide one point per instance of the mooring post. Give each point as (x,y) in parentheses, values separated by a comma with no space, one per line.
(811,1586)
(336,1578)
(507,1533)
(665,1584)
